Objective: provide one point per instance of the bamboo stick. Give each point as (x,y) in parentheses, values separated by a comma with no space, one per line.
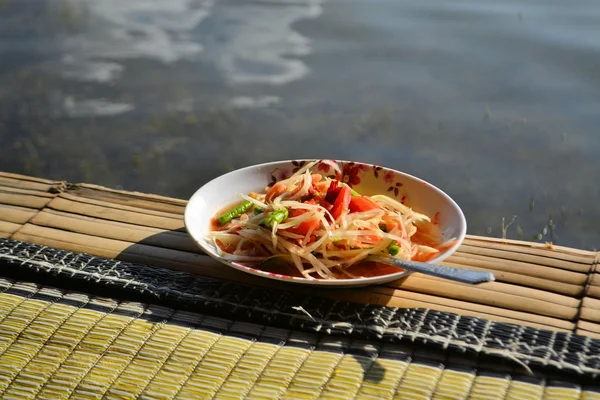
(116,230)
(527,247)
(96,202)
(498,287)
(27,178)
(135,199)
(593,288)
(588,326)
(8,227)
(528,281)
(16,214)
(590,310)
(583,332)
(150,196)
(15,190)
(527,258)
(417,283)
(22,184)
(23,200)
(535,270)
(114,214)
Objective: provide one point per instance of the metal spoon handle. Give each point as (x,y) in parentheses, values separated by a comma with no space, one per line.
(455,274)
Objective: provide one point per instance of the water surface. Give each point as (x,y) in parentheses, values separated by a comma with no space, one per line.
(497,103)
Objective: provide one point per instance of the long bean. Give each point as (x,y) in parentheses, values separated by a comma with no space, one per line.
(276,216)
(234,212)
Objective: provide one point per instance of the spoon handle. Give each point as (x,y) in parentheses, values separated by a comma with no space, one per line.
(455,274)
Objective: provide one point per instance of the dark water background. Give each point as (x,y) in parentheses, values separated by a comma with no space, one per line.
(497,103)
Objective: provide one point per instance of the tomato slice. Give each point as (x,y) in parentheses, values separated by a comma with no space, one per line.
(341,202)
(362,204)
(305,226)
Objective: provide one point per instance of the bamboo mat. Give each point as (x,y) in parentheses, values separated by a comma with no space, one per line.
(58,344)
(537,285)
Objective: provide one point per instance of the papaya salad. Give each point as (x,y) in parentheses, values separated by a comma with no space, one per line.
(321,227)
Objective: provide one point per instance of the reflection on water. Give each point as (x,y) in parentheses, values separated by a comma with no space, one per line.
(149,29)
(495,102)
(259,44)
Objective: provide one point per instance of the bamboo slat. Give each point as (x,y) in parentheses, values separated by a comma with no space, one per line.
(15,190)
(589,326)
(115,230)
(499,287)
(23,200)
(525,268)
(114,214)
(583,332)
(484,253)
(23,180)
(478,294)
(23,184)
(590,310)
(593,289)
(135,199)
(16,214)
(118,206)
(8,227)
(520,246)
(554,286)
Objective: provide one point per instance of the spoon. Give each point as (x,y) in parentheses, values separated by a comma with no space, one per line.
(455,274)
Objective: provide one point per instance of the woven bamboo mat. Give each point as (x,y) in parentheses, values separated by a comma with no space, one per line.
(205,331)
(58,343)
(537,285)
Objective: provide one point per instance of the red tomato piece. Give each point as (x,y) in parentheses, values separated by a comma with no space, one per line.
(305,226)
(341,202)
(362,204)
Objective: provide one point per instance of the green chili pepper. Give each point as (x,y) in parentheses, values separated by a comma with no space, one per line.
(234,212)
(277,216)
(393,248)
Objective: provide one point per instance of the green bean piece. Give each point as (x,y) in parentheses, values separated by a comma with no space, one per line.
(393,248)
(234,212)
(277,216)
(258,210)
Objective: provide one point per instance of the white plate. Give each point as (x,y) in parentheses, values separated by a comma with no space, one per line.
(365,178)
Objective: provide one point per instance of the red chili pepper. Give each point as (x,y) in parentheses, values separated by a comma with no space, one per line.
(333,191)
